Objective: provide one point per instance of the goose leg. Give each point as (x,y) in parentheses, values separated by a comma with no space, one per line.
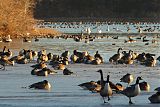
(130,102)
(127,84)
(109,98)
(104,100)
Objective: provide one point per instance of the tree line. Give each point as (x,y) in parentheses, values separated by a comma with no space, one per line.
(97,8)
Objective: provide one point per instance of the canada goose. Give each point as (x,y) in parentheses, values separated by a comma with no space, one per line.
(144,86)
(91,86)
(151,62)
(22,61)
(64,60)
(158,58)
(132,91)
(155,98)
(34,54)
(65,54)
(106,90)
(39,65)
(43,72)
(127,58)
(43,57)
(3,51)
(128,78)
(8,53)
(29,55)
(134,55)
(80,55)
(141,57)
(120,87)
(157,89)
(59,66)
(73,58)
(50,56)
(116,57)
(5,61)
(41,85)
(66,71)
(88,59)
(97,55)
(96,61)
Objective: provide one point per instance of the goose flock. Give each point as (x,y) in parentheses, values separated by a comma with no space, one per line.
(60,62)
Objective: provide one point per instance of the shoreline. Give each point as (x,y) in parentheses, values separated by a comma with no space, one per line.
(92,34)
(94,19)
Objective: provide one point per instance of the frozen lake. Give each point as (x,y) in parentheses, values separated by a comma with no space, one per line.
(65,91)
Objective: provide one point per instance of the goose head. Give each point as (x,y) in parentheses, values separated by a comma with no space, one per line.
(138,78)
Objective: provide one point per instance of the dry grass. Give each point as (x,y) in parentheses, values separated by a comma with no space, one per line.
(16,19)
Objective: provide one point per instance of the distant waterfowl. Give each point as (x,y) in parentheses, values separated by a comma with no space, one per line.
(26,40)
(115,37)
(132,91)
(7,39)
(155,98)
(36,39)
(144,39)
(41,85)
(106,90)
(116,57)
(128,78)
(130,40)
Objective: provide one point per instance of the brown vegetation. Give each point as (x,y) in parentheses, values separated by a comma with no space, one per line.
(16,17)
